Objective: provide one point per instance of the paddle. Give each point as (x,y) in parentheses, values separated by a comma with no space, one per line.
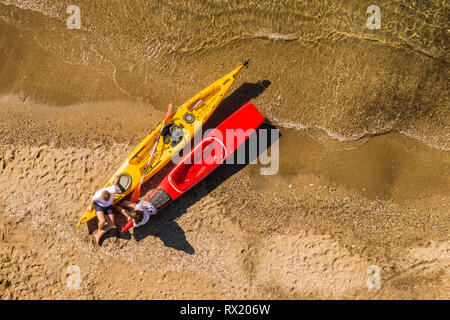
(127,226)
(137,191)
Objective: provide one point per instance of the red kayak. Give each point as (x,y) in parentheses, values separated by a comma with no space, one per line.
(206,156)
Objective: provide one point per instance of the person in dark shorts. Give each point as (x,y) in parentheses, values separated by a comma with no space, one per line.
(102,202)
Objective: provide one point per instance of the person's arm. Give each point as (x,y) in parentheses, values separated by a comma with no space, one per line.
(91,206)
(116,184)
(123,211)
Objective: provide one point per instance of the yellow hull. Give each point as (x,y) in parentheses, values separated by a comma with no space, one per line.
(189,116)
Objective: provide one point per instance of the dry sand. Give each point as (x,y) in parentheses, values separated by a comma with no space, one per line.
(298,234)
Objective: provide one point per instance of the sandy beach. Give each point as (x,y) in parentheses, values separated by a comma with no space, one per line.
(363,181)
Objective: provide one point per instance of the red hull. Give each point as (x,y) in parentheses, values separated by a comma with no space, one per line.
(206,156)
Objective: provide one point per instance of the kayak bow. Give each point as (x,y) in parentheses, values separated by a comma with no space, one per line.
(178,131)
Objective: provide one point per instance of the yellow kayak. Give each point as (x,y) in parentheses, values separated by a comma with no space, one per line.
(178,131)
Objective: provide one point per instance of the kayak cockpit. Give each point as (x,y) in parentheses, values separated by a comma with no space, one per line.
(204,158)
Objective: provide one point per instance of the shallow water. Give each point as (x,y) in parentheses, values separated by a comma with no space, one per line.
(327,69)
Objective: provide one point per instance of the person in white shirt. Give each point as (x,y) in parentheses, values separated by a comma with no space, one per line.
(102,202)
(140,212)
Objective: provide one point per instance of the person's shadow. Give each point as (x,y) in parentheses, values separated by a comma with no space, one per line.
(163,225)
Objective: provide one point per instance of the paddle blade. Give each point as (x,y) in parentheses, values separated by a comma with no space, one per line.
(169,112)
(127,226)
(136,194)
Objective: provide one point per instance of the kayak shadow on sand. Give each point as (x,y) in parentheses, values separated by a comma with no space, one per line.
(246,92)
(163,225)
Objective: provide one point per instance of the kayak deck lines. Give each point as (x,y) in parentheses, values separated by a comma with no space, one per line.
(199,108)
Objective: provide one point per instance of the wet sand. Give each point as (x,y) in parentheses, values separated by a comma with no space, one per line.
(364,162)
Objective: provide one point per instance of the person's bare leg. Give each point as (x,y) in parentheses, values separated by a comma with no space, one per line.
(101,223)
(101,220)
(113,220)
(104,225)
